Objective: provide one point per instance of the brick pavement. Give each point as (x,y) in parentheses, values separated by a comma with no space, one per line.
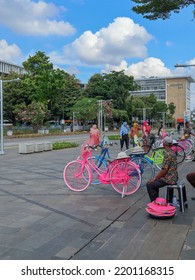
(40,218)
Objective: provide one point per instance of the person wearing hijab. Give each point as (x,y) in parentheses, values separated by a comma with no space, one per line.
(95,135)
(145,131)
(134,133)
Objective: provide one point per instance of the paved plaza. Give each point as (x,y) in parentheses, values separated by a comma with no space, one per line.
(41,219)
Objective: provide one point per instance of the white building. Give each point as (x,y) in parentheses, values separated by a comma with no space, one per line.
(174,89)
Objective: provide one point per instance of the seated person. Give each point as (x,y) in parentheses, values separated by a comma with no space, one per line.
(168,174)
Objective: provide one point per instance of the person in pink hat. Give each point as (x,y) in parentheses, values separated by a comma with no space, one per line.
(168,174)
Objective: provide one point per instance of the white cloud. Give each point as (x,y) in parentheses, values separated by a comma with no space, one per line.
(33,18)
(9,53)
(149,67)
(121,39)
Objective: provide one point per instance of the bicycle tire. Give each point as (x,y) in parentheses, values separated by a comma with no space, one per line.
(101,164)
(75,175)
(125,177)
(147,169)
(180,153)
(159,155)
(186,145)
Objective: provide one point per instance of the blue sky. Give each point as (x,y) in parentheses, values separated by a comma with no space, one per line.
(85,37)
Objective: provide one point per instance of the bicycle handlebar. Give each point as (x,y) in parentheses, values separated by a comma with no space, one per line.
(94,147)
(110,143)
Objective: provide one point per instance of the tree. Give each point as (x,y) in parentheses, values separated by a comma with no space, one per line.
(86,109)
(115,86)
(52,86)
(153,9)
(14,94)
(171,108)
(35,113)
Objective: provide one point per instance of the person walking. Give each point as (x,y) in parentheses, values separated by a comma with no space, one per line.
(179,128)
(124,135)
(95,135)
(134,133)
(145,131)
(160,128)
(168,174)
(187,132)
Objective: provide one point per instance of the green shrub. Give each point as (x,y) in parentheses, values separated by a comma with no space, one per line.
(63,145)
(114,137)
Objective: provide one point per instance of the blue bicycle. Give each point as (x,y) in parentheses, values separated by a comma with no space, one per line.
(146,166)
(101,159)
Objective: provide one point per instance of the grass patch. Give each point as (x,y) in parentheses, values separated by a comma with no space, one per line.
(64,145)
(114,137)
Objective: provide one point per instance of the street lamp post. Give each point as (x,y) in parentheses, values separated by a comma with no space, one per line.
(73,118)
(144,112)
(1,114)
(184,65)
(100,120)
(100,115)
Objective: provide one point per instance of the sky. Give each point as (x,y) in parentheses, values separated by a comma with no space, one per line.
(84,37)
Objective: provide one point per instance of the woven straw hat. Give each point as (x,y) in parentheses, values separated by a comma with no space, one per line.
(122,155)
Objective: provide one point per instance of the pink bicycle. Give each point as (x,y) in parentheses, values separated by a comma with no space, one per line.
(122,174)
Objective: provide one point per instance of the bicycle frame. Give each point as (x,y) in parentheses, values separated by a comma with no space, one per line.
(123,174)
(104,176)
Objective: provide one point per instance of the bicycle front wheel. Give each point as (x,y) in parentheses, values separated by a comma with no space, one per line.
(125,177)
(77,176)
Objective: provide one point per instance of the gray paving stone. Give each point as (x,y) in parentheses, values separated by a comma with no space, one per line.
(42,219)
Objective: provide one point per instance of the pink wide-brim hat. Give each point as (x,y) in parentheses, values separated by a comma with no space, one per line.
(161,206)
(159,214)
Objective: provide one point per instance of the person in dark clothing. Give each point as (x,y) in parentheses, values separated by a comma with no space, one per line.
(159,130)
(178,128)
(191,179)
(168,174)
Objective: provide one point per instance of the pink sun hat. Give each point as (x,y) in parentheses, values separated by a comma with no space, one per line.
(161,206)
(159,214)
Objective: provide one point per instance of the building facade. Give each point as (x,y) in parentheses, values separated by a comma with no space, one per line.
(7,67)
(168,89)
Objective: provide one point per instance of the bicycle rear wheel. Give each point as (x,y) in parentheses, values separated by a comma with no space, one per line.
(125,177)
(77,176)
